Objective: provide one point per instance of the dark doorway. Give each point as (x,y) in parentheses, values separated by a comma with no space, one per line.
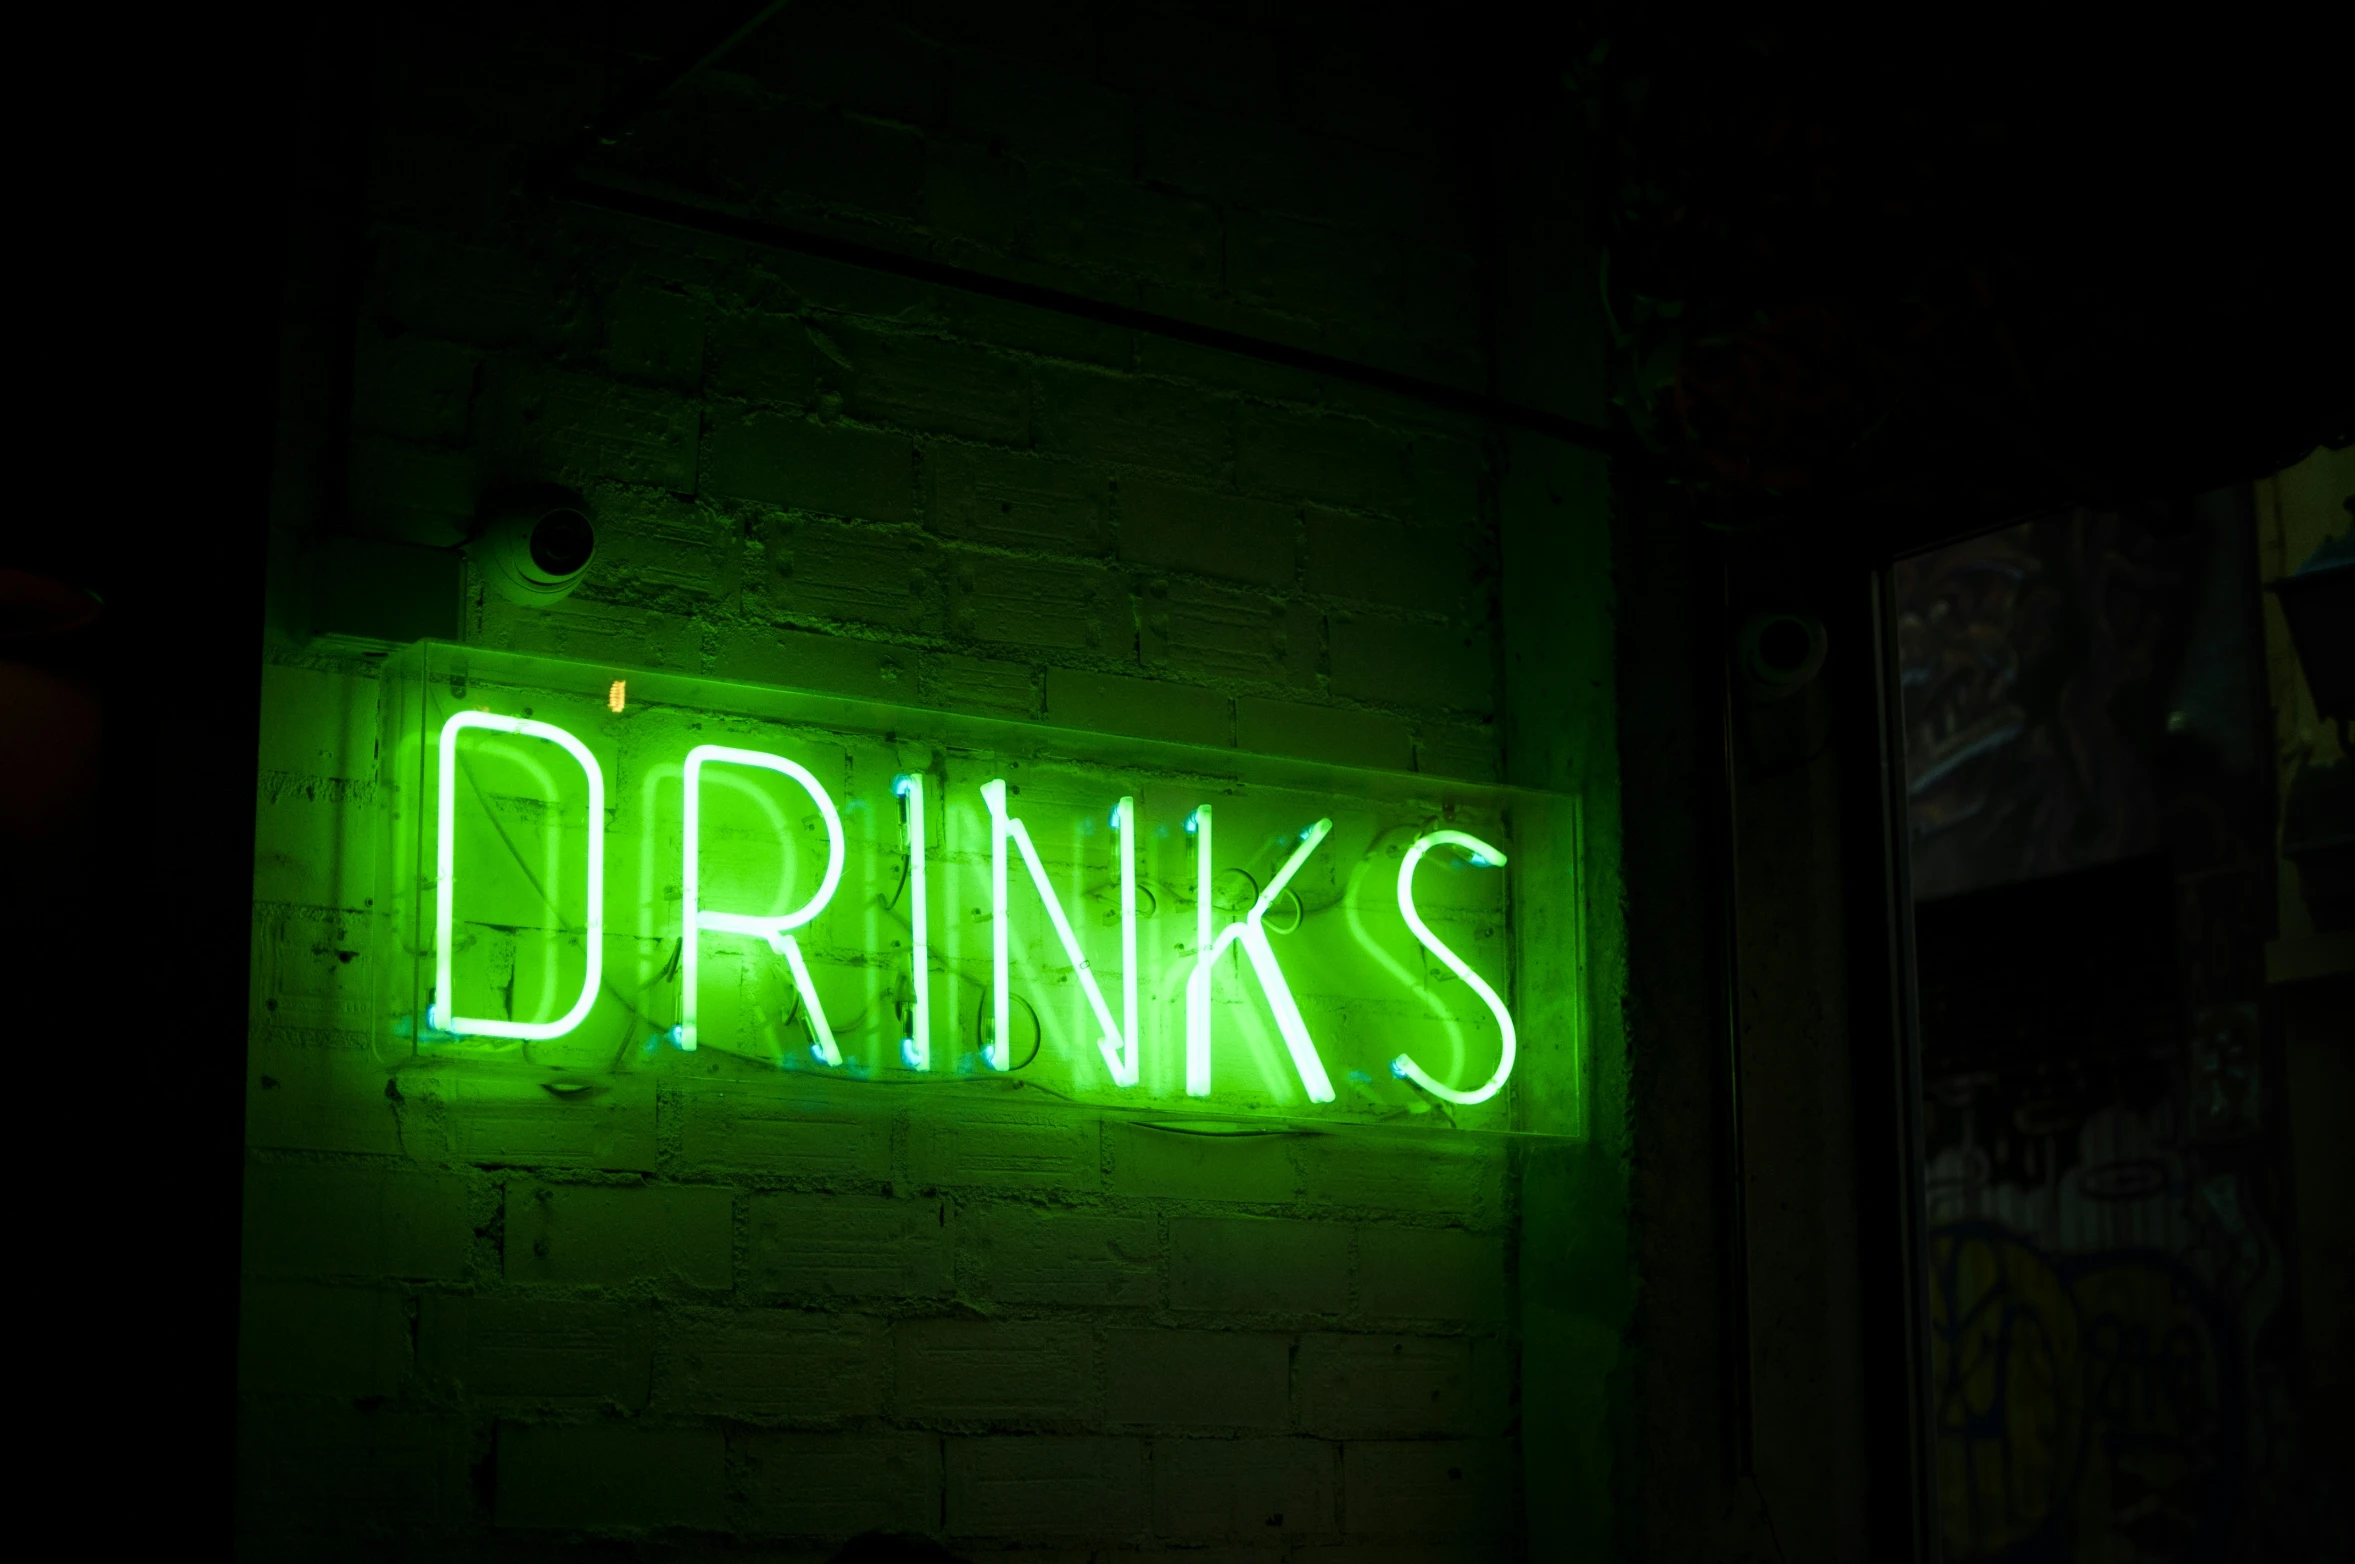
(2114,1223)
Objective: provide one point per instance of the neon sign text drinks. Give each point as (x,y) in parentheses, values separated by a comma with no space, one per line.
(808,884)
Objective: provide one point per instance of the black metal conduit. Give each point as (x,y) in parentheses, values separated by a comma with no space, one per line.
(559,177)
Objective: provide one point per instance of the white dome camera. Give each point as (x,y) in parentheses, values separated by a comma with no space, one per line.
(535,544)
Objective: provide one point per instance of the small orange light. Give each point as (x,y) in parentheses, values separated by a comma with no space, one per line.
(615,696)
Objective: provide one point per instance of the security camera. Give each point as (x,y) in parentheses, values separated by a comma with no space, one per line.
(1776,654)
(535,544)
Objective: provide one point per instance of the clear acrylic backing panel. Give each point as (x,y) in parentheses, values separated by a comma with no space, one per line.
(846,885)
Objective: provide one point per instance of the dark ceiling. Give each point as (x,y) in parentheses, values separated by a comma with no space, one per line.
(1983,268)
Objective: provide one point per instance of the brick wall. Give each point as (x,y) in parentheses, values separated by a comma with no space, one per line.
(479,1318)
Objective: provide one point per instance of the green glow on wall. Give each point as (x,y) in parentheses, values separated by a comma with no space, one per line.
(1486,857)
(775,929)
(443,1012)
(826,887)
(1252,933)
(1119,1040)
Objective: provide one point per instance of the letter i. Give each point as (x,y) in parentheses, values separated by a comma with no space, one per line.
(915,1049)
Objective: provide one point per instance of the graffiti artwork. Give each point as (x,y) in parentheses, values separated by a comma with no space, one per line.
(2087,804)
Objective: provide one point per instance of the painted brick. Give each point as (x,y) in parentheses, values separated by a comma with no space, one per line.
(1145,423)
(443,286)
(582,630)
(1046,1487)
(1309,269)
(762,358)
(1374,559)
(1048,1254)
(297,1339)
(836,469)
(662,551)
(1165,526)
(327,723)
(995,1370)
(1435,1486)
(860,574)
(1375,1387)
(1193,627)
(652,334)
(1015,500)
(1431,1273)
(933,384)
(1174,1164)
(1374,1550)
(1107,223)
(408,493)
(1055,33)
(1047,333)
(539,1349)
(973,198)
(579,427)
(1256,1265)
(611,1473)
(1145,708)
(413,387)
(1041,604)
(1464,1182)
(1198,1379)
(951,681)
(305,1219)
(1450,750)
(1196,56)
(850,1246)
(1448,477)
(1208,1490)
(1050,1151)
(765,1132)
(609,1124)
(671,1236)
(834,160)
(1341,461)
(764,1364)
(802,660)
(370,1467)
(846,62)
(837,289)
(316,969)
(1253,161)
(1384,515)
(1039,115)
(1334,733)
(318,1089)
(1413,662)
(836,1484)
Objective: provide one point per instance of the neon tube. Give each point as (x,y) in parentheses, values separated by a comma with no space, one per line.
(776,929)
(915,1050)
(1124,1072)
(445,865)
(1251,931)
(1118,1043)
(1403,1066)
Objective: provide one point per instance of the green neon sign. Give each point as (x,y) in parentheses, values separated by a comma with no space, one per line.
(776,930)
(871,897)
(443,1014)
